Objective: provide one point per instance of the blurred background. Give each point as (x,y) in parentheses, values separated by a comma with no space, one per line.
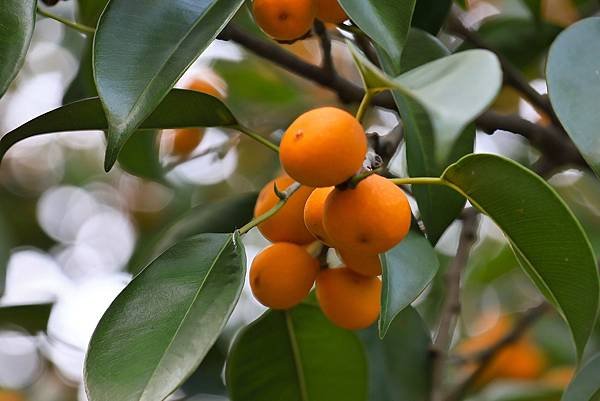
(72,236)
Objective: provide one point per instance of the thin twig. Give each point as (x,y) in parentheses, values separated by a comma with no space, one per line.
(71,24)
(451,305)
(219,150)
(327,58)
(484,358)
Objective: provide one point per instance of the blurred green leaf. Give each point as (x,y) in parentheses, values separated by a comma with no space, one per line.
(222,216)
(180,109)
(573,73)
(296,355)
(5,247)
(32,318)
(430,14)
(399,365)
(386,22)
(17,20)
(139,156)
(158,330)
(82,86)
(535,6)
(519,391)
(546,237)
(141,49)
(585,385)
(522,41)
(420,48)
(407,270)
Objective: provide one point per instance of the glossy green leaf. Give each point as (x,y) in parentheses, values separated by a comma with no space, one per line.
(140,156)
(400,364)
(421,48)
(547,239)
(158,330)
(407,270)
(430,14)
(572,72)
(141,49)
(386,22)
(427,101)
(222,216)
(88,11)
(32,318)
(585,385)
(296,355)
(180,109)
(17,20)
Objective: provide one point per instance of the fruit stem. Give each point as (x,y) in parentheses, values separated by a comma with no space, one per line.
(271,212)
(419,181)
(258,138)
(71,24)
(364,104)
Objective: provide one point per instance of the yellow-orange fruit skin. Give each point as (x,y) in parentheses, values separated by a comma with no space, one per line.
(313,213)
(348,299)
(372,218)
(201,85)
(282,275)
(367,264)
(284,19)
(330,11)
(287,225)
(323,147)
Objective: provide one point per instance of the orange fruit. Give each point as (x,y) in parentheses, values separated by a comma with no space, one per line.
(367,264)
(284,19)
(185,140)
(313,213)
(560,12)
(349,300)
(10,395)
(371,218)
(331,11)
(282,275)
(287,225)
(323,147)
(522,360)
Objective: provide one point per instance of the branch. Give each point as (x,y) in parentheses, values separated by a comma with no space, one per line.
(558,149)
(327,59)
(451,305)
(484,358)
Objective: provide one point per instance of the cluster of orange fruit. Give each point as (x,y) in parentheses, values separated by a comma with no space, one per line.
(322,150)
(292,19)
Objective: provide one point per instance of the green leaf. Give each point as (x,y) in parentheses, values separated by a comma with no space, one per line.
(158,330)
(421,48)
(32,318)
(17,20)
(180,109)
(400,364)
(223,216)
(5,246)
(386,22)
(430,14)
(88,11)
(585,384)
(407,270)
(140,156)
(141,49)
(546,237)
(522,41)
(296,355)
(535,6)
(572,72)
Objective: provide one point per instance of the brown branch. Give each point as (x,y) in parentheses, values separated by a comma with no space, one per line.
(555,147)
(327,59)
(451,305)
(484,358)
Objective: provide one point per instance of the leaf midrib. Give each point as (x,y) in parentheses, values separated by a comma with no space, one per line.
(296,356)
(187,312)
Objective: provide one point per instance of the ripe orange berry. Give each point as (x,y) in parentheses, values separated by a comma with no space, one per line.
(284,19)
(287,225)
(282,275)
(313,213)
(349,300)
(331,11)
(185,140)
(371,218)
(367,264)
(323,147)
